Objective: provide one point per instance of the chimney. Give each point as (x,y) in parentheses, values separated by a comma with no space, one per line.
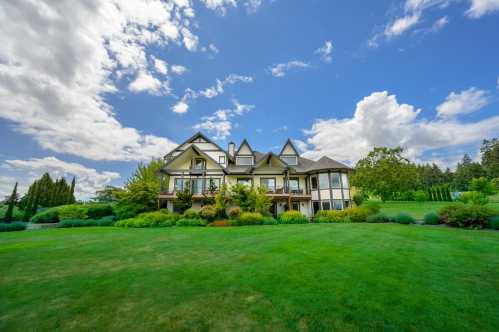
(232,149)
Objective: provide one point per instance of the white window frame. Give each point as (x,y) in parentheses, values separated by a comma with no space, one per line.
(239,158)
(283,158)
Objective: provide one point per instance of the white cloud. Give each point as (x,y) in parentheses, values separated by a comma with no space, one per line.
(401,25)
(178,69)
(160,66)
(88,180)
(440,23)
(210,92)
(7,184)
(325,51)
(53,85)
(280,69)
(221,6)
(478,8)
(220,122)
(379,120)
(145,82)
(464,102)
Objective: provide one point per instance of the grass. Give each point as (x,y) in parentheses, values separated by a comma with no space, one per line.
(418,210)
(290,277)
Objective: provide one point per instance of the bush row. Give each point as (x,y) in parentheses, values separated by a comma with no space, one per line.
(73,212)
(105,221)
(13,226)
(468,216)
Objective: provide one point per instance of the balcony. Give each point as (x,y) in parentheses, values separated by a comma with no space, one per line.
(285,193)
(195,196)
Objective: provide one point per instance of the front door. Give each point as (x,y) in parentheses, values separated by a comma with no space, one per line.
(273,209)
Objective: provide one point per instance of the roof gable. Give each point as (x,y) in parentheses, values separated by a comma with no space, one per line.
(244,149)
(182,160)
(289,149)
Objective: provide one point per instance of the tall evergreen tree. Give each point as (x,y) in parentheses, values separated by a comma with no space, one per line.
(36,197)
(12,201)
(71,199)
(29,204)
(466,171)
(490,157)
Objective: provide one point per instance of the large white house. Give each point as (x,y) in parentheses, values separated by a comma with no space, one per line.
(291,181)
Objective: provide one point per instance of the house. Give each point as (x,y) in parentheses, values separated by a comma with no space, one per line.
(291,180)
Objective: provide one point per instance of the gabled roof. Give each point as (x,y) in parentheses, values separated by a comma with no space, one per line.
(198,151)
(266,157)
(326,163)
(245,142)
(193,138)
(290,143)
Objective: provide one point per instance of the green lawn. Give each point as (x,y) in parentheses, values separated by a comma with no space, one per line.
(418,210)
(290,277)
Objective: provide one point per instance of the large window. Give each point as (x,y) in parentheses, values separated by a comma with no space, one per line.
(295,206)
(181,184)
(214,182)
(244,161)
(294,184)
(199,163)
(268,183)
(245,181)
(337,205)
(316,206)
(326,205)
(197,186)
(344,179)
(290,160)
(323,181)
(335,180)
(221,160)
(314,182)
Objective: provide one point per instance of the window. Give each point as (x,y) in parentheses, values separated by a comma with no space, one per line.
(294,184)
(335,180)
(344,180)
(323,181)
(221,160)
(244,161)
(316,206)
(245,181)
(290,160)
(268,183)
(346,204)
(314,182)
(215,182)
(326,205)
(295,206)
(337,205)
(181,184)
(197,186)
(199,163)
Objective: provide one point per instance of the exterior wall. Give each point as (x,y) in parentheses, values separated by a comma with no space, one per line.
(244,150)
(288,150)
(330,194)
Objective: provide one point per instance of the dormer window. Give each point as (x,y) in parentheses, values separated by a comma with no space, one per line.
(199,164)
(244,160)
(290,160)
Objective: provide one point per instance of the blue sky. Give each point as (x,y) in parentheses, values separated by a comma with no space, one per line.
(91,90)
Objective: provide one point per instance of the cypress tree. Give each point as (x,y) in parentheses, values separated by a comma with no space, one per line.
(12,202)
(72,199)
(29,204)
(36,197)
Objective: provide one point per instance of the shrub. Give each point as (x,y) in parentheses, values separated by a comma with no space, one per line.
(431,219)
(221,223)
(234,212)
(191,222)
(124,210)
(106,221)
(474,197)
(462,215)
(404,218)
(191,214)
(17,213)
(358,214)
(73,211)
(420,196)
(208,212)
(250,218)
(379,218)
(372,207)
(97,211)
(494,222)
(358,199)
(270,221)
(13,226)
(158,218)
(47,216)
(77,223)
(331,216)
(293,217)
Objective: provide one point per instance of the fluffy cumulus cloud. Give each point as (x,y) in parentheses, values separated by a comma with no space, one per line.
(380,120)
(281,69)
(220,123)
(325,51)
(221,6)
(479,8)
(464,102)
(213,91)
(53,85)
(401,25)
(178,69)
(88,179)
